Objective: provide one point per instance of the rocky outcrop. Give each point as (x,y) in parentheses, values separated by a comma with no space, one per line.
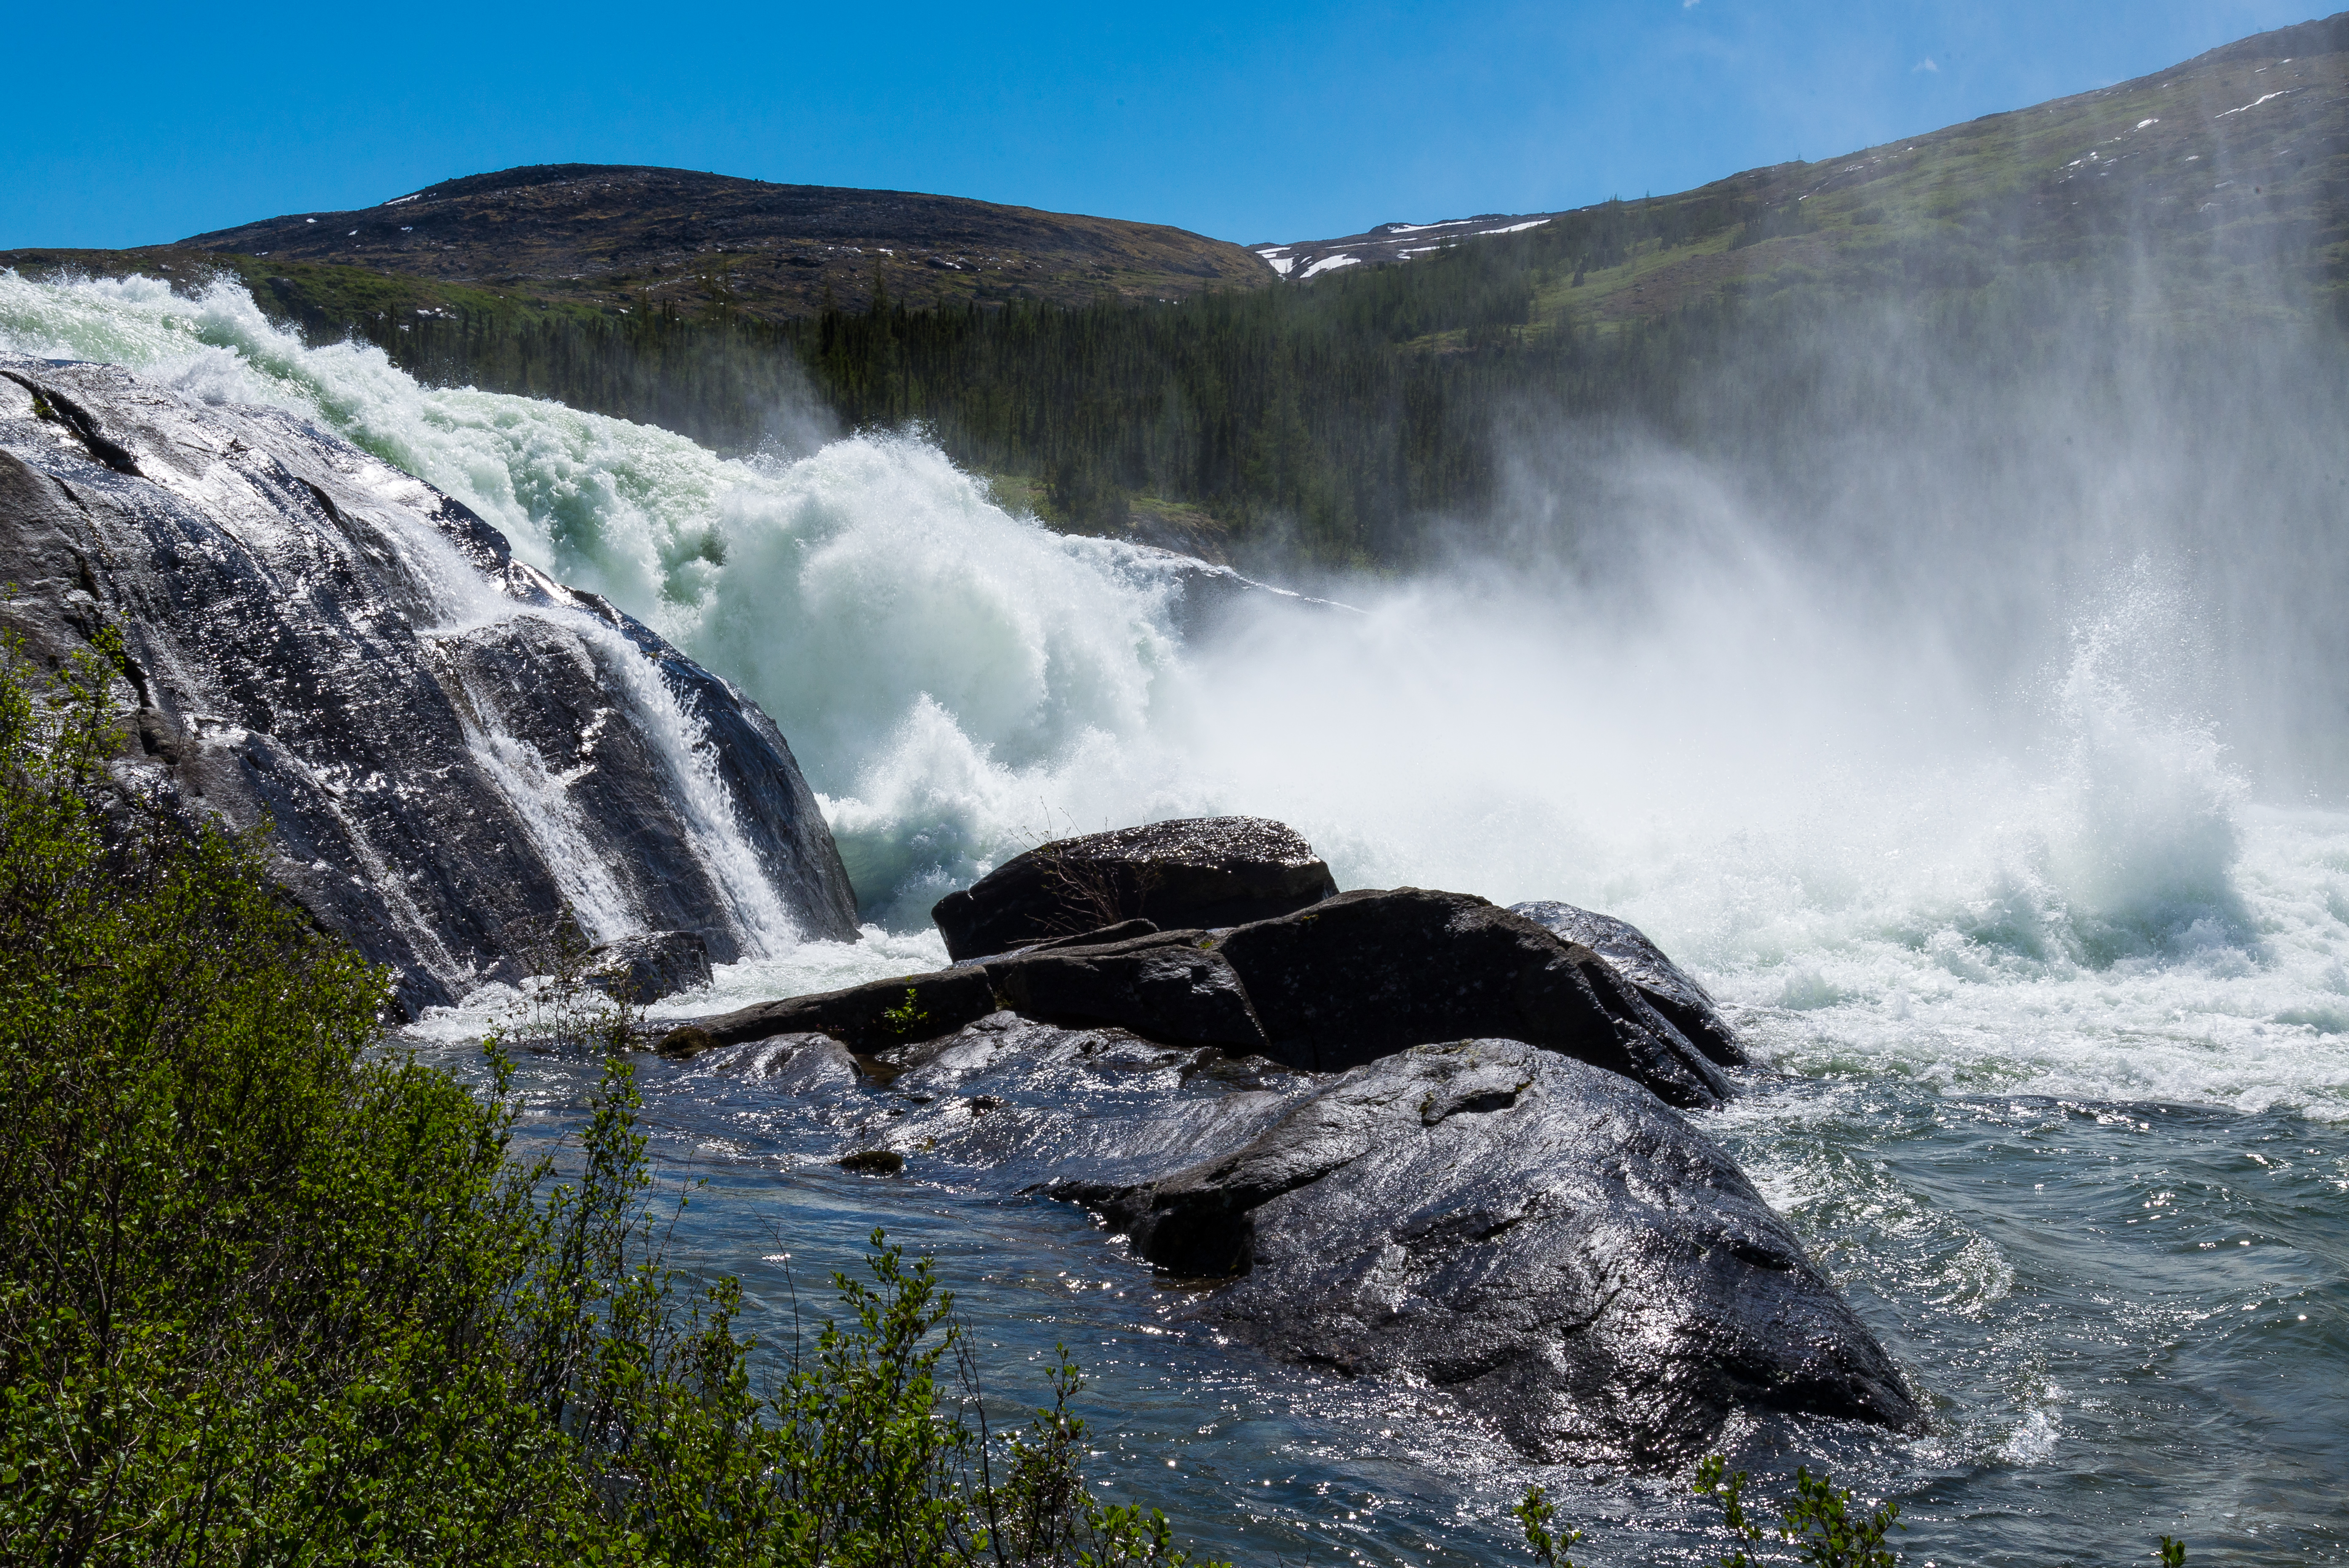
(1366,974)
(451,746)
(1341,982)
(1208,871)
(1398,1134)
(1572,1260)
(1665,986)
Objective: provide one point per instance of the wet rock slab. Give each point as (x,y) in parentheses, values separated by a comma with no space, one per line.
(451,744)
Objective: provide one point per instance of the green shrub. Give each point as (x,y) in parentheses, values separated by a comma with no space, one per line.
(1817,1525)
(1817,1522)
(273,1293)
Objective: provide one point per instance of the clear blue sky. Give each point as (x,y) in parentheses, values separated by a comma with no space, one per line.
(129,124)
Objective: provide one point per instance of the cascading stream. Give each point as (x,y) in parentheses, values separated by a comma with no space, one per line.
(1825,817)
(2053,1000)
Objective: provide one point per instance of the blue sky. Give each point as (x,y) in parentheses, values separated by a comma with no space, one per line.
(132,124)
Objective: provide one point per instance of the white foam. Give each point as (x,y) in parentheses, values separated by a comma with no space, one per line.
(1803,807)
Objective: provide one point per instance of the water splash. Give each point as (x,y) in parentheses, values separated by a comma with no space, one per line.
(1884,866)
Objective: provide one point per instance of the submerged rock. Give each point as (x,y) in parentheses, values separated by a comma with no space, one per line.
(1208,871)
(452,744)
(1666,986)
(1560,1250)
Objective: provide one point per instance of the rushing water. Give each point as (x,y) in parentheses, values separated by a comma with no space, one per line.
(2050,996)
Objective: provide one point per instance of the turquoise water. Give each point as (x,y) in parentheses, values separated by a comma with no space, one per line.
(2129,1318)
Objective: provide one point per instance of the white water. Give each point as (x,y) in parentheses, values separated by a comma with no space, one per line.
(2066,890)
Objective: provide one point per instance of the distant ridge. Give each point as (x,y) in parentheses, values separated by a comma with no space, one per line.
(626,236)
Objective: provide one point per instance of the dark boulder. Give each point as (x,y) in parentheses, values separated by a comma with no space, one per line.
(647,967)
(1547,1241)
(1210,871)
(1164,985)
(1124,931)
(1667,987)
(1364,974)
(1342,982)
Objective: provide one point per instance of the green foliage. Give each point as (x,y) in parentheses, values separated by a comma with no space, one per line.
(271,1293)
(1818,1521)
(907,1015)
(1535,1514)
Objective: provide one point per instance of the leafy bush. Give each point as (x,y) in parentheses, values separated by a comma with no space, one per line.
(271,1293)
(1817,1522)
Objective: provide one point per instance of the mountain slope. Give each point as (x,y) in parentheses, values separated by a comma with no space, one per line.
(624,237)
(2232,167)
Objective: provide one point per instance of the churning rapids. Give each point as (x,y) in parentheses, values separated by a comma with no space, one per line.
(2052,1000)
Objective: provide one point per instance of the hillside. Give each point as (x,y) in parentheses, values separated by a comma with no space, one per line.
(2236,160)
(633,239)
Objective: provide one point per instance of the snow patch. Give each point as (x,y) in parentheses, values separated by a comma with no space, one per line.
(2257,101)
(1328,262)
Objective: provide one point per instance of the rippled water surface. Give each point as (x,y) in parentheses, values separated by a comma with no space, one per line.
(2130,1318)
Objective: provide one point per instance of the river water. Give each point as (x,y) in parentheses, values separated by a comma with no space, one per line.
(2046,985)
